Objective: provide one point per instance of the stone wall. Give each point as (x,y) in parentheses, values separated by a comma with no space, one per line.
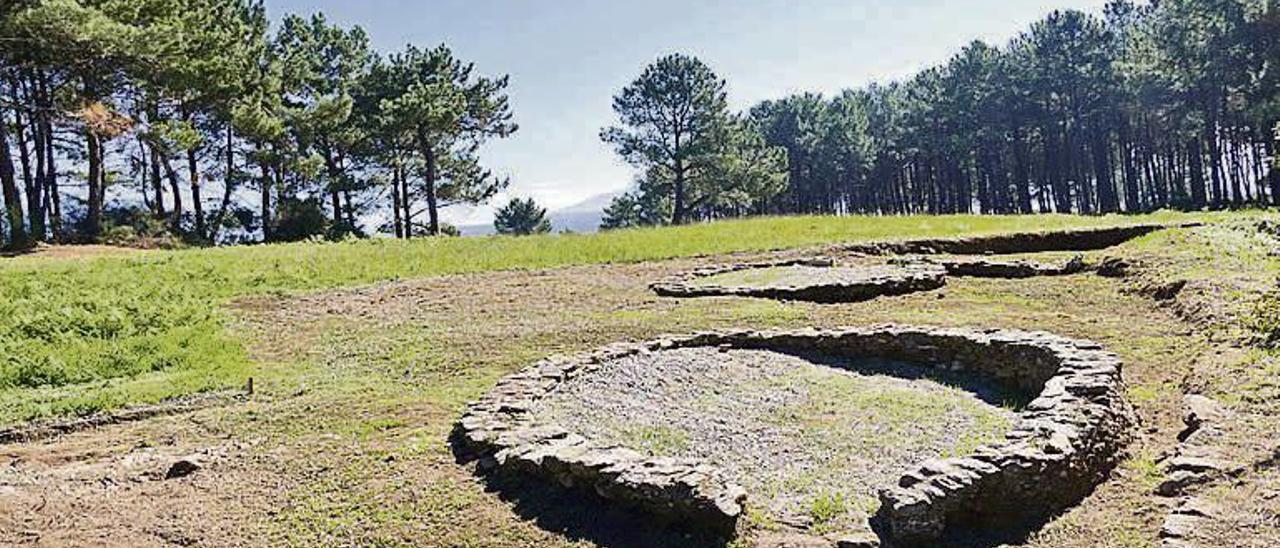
(1082,239)
(854,283)
(979,267)
(1066,441)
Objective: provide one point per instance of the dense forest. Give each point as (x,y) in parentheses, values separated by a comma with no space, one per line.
(1169,104)
(134,119)
(202,122)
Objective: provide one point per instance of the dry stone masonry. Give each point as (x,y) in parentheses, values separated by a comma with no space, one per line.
(836,285)
(1196,462)
(981,267)
(1080,239)
(1066,441)
(905,275)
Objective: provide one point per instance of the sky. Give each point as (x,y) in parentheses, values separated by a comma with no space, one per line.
(567,58)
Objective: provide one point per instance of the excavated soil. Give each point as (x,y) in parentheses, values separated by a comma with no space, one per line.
(810,437)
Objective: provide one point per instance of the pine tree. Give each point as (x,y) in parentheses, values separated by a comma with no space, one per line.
(521,217)
(433,102)
(677,128)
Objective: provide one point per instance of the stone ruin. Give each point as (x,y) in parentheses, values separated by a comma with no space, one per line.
(813,280)
(1064,442)
(823,280)
(983,267)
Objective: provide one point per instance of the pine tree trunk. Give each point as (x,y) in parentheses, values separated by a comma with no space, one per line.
(265,184)
(1108,201)
(36,199)
(1215,165)
(1196,157)
(336,204)
(156,187)
(350,209)
(335,200)
(1021,175)
(93,218)
(174,187)
(433,215)
(227,188)
(197,205)
(9,191)
(21,129)
(1273,175)
(406,203)
(678,212)
(51,181)
(395,200)
(1132,196)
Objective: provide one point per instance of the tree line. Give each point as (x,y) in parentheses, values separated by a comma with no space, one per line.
(198,119)
(1169,104)
(173,117)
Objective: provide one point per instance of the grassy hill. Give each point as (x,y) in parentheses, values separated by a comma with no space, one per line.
(79,336)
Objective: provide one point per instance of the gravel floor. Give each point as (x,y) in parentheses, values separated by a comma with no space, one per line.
(783,276)
(810,438)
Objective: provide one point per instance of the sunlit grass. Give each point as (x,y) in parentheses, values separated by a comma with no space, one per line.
(82,335)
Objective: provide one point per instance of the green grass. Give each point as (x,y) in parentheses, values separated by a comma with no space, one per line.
(1145,471)
(656,440)
(826,508)
(79,336)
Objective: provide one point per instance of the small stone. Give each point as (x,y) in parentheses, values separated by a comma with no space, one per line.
(1113,267)
(1201,410)
(1180,526)
(1199,508)
(1177,482)
(1199,465)
(1169,291)
(183,467)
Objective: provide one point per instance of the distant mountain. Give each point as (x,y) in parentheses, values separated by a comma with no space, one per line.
(576,221)
(582,217)
(594,203)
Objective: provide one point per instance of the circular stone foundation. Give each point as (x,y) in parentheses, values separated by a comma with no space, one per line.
(815,280)
(818,430)
(810,436)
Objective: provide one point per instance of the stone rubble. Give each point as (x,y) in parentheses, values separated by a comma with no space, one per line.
(1068,438)
(1195,462)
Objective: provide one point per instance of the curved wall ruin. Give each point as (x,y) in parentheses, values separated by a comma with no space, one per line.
(846,284)
(1065,442)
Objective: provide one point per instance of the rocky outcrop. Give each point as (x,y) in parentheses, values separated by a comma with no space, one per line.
(1066,441)
(841,284)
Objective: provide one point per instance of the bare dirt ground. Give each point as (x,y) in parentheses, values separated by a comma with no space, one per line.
(345,441)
